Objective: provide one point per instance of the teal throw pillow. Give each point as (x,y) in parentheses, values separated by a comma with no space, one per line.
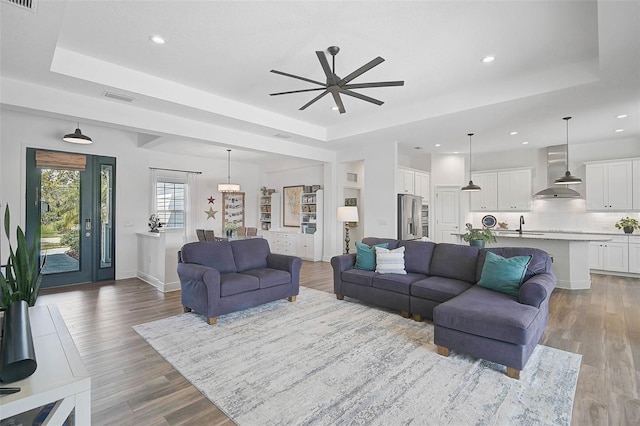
(504,274)
(366,256)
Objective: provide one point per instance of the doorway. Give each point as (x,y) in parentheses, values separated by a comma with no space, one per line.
(72,197)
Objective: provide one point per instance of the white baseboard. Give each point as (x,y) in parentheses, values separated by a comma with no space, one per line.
(163,287)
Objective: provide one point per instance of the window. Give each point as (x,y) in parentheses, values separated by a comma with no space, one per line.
(170,203)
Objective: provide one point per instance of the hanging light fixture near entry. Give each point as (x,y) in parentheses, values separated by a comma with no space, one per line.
(471,186)
(228,187)
(568,179)
(77,137)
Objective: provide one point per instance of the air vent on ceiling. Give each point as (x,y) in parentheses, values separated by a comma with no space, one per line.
(282,136)
(118,96)
(31,5)
(352,177)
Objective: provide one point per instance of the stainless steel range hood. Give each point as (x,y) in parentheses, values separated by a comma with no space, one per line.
(556,166)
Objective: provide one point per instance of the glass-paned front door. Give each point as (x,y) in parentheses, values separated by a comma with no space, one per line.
(72,196)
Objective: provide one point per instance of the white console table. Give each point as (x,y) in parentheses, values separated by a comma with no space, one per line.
(61,376)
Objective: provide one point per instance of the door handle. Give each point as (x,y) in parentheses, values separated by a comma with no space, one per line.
(87,224)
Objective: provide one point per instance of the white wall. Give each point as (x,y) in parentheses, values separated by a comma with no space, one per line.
(21,130)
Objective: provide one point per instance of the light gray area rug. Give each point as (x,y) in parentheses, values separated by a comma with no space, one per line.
(320,361)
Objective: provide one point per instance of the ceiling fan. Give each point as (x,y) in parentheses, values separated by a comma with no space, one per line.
(336,85)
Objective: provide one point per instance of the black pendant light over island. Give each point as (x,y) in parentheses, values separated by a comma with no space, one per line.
(471,186)
(568,179)
(77,137)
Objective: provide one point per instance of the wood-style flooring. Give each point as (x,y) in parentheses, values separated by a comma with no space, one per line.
(133,385)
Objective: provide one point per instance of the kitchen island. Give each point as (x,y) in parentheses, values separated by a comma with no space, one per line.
(570,253)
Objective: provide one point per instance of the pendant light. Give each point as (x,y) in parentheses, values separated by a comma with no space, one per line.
(568,179)
(77,137)
(471,186)
(228,187)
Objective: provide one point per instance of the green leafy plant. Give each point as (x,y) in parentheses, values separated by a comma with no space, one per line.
(230,226)
(627,222)
(23,272)
(483,234)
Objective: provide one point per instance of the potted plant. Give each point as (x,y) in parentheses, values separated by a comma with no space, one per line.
(154,223)
(627,224)
(20,280)
(229,228)
(478,237)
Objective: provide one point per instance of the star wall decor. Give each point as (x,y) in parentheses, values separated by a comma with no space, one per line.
(211,213)
(211,199)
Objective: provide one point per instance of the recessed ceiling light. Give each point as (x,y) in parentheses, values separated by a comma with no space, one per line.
(513,133)
(437,144)
(456,152)
(619,130)
(525,143)
(622,116)
(334,108)
(157,39)
(488,59)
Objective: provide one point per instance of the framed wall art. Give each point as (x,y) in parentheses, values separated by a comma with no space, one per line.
(233,208)
(291,205)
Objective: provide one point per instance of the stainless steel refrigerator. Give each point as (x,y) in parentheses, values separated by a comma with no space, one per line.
(409,217)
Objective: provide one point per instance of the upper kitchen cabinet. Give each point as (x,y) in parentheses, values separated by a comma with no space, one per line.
(405,181)
(514,190)
(421,186)
(487,198)
(609,185)
(413,182)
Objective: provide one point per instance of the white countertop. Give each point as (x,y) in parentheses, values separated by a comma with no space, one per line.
(558,236)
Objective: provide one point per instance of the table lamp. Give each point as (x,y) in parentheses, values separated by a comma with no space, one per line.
(347,214)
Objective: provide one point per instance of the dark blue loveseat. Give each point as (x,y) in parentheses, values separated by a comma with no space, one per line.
(219,277)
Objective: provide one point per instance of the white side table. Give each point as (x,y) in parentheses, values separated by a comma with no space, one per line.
(61,376)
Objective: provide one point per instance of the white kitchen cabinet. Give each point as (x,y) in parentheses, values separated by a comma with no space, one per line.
(421,186)
(514,190)
(609,185)
(636,184)
(634,255)
(405,181)
(487,198)
(610,255)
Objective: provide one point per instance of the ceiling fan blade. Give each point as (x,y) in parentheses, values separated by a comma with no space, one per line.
(298,77)
(338,100)
(313,100)
(326,68)
(366,67)
(378,84)
(296,91)
(361,96)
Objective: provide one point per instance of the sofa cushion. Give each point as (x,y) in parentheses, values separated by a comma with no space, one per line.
(417,256)
(395,282)
(237,283)
(454,261)
(269,277)
(366,256)
(540,260)
(251,253)
(438,289)
(390,261)
(490,314)
(214,254)
(372,241)
(504,274)
(358,276)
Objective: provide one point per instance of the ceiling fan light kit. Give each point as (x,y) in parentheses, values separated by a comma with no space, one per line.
(339,86)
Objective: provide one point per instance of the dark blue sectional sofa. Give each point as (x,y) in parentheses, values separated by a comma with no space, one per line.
(440,285)
(219,277)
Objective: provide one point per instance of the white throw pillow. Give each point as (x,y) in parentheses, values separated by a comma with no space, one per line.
(390,261)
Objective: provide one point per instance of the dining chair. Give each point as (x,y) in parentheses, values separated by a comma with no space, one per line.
(242,231)
(252,232)
(200,234)
(209,235)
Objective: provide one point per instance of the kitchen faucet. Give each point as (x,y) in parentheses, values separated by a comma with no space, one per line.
(521,223)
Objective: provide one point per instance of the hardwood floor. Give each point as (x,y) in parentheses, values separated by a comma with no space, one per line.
(133,385)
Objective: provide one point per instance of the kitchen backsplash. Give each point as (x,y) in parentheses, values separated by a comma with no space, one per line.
(568,215)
